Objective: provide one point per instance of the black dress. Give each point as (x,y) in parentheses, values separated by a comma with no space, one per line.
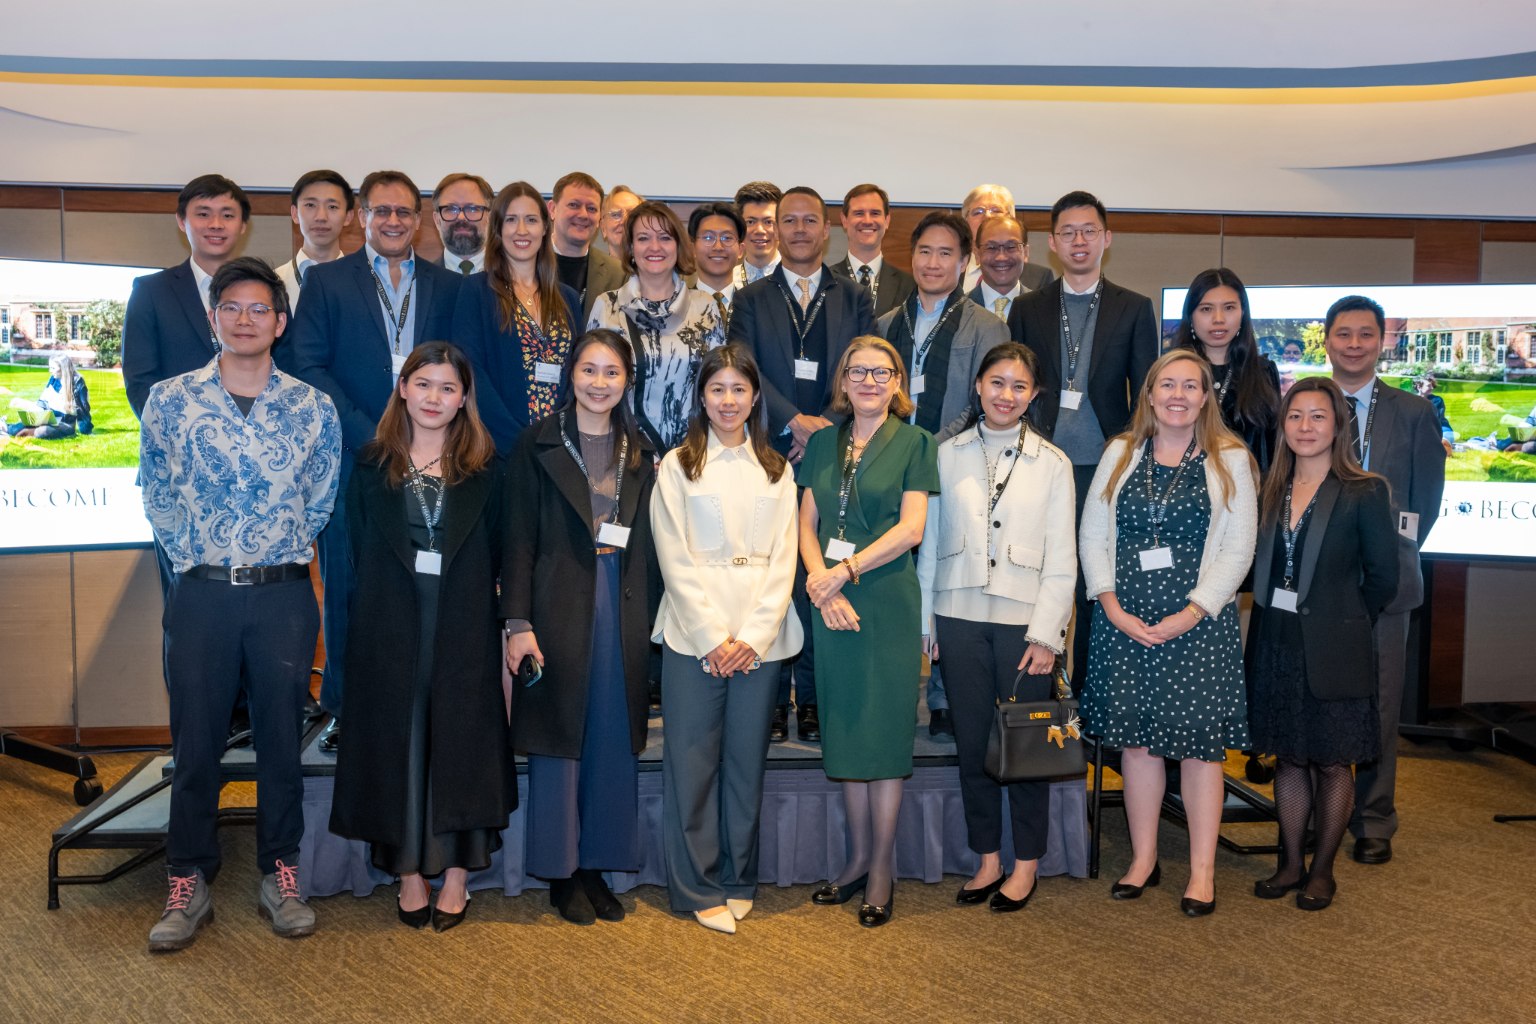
(1284,717)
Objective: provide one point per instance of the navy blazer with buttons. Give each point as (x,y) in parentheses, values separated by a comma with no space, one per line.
(338,341)
(165,331)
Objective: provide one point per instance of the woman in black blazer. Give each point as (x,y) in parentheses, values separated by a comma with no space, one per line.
(1326,567)
(425,774)
(580,589)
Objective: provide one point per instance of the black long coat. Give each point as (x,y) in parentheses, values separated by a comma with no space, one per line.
(549,578)
(471,768)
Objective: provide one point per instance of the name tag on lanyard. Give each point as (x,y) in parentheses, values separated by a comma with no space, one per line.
(613,535)
(1071,399)
(806,369)
(546,373)
(429,563)
(1156,558)
(837,550)
(1283,600)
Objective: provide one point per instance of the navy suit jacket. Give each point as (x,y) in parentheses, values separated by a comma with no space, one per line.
(760,320)
(338,341)
(892,285)
(165,331)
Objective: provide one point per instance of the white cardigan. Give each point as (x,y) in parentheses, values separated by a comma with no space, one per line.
(728,545)
(1228,543)
(1033,555)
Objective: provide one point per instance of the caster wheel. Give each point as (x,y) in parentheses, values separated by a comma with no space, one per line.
(1259,770)
(86,791)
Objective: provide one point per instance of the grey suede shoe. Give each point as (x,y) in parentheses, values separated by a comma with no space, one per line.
(188,907)
(281,903)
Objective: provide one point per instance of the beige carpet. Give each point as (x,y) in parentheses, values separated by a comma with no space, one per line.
(1445,933)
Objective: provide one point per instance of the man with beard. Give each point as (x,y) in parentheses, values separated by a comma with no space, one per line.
(321,204)
(459,206)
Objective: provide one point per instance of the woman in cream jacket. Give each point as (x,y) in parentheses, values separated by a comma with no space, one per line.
(724,518)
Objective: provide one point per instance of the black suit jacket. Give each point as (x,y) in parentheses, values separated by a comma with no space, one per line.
(165,331)
(1125,343)
(1347,574)
(892,284)
(760,320)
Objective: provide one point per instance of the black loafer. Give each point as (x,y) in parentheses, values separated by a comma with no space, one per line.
(778,729)
(1269,889)
(807,724)
(871,916)
(1126,891)
(830,895)
(939,723)
(970,897)
(1002,904)
(330,736)
(1373,851)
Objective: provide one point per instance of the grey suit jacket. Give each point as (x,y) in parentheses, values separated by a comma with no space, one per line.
(604,274)
(892,284)
(976,334)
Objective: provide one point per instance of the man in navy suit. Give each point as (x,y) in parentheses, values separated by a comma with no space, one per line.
(866,218)
(357,320)
(797,322)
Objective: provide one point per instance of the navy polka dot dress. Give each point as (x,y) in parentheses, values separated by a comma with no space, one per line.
(1184,698)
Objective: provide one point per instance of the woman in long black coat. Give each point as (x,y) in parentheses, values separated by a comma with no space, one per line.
(426,774)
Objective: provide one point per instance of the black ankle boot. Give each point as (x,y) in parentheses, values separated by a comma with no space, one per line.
(568,897)
(604,904)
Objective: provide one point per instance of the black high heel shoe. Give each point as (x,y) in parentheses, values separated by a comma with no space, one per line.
(830,895)
(970,897)
(414,918)
(871,916)
(442,920)
(1002,904)
(1126,891)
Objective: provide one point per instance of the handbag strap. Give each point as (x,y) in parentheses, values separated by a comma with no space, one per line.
(1062,690)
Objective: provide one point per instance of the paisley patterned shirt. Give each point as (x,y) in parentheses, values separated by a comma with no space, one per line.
(225,488)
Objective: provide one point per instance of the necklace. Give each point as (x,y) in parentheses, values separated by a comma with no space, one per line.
(421,470)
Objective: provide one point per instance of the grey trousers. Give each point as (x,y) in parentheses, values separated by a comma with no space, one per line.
(1375,814)
(712,779)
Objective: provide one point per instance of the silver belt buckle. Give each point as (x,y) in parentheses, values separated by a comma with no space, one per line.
(253,573)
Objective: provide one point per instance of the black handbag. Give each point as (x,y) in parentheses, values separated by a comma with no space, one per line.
(1036,740)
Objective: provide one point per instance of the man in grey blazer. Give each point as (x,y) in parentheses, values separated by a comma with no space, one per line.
(942,337)
(1397,435)
(575,208)
(866,217)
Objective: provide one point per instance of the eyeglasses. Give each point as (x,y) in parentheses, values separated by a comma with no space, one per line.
(986,211)
(469,211)
(723,238)
(257,311)
(1087,234)
(386,212)
(881,374)
(1001,249)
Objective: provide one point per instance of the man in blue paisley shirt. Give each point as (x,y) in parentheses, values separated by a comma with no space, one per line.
(239,464)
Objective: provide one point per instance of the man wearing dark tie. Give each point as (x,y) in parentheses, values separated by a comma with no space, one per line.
(575,210)
(321,205)
(797,322)
(1095,342)
(989,200)
(717,231)
(866,217)
(459,205)
(1001,251)
(1396,434)
(358,318)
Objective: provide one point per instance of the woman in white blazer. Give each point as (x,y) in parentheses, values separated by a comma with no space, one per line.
(997,566)
(1167,536)
(724,519)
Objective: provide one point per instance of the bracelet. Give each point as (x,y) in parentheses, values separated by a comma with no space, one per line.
(853,569)
(1195,610)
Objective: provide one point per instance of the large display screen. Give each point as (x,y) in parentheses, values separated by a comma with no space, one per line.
(1472,346)
(69,453)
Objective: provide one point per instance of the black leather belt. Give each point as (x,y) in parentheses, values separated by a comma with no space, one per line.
(250,575)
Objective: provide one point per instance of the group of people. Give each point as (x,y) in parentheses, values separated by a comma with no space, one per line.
(714,463)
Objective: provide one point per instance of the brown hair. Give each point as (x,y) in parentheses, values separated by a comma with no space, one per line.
(868,189)
(458,176)
(498,266)
(1212,435)
(468,448)
(581,178)
(378,178)
(901,403)
(691,453)
(662,215)
(1341,462)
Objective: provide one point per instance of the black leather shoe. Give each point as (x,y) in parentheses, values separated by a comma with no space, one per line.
(939,723)
(442,920)
(871,916)
(1002,904)
(1269,889)
(568,897)
(807,724)
(1126,891)
(970,897)
(655,696)
(1306,902)
(330,736)
(240,727)
(604,904)
(830,895)
(778,729)
(414,918)
(1198,908)
(1373,851)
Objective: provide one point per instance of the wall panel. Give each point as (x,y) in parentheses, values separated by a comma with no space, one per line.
(37,686)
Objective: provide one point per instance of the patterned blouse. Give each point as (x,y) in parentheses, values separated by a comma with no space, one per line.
(538,347)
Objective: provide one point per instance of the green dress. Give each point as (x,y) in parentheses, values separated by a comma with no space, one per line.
(867,680)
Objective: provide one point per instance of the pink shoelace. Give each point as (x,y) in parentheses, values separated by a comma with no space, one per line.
(183,887)
(287,881)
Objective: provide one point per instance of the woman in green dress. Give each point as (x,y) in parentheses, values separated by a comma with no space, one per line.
(866,501)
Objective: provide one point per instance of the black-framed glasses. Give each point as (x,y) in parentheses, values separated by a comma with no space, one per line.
(257,311)
(881,374)
(386,212)
(1086,234)
(471,212)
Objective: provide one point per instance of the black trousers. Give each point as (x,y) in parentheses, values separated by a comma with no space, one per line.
(213,631)
(801,669)
(1082,477)
(980,662)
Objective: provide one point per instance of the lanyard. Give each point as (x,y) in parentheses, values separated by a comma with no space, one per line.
(845,486)
(389,307)
(1073,347)
(434,515)
(1363,447)
(802,322)
(920,352)
(1221,389)
(994,487)
(1288,536)
(618,473)
(1160,505)
(538,329)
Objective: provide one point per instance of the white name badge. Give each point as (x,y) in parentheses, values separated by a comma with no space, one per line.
(613,535)
(917,386)
(805,369)
(1408,525)
(429,562)
(546,373)
(397,361)
(1283,600)
(1071,399)
(1156,558)
(837,550)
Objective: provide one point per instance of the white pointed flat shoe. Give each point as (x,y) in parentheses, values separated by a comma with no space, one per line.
(718,919)
(739,908)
